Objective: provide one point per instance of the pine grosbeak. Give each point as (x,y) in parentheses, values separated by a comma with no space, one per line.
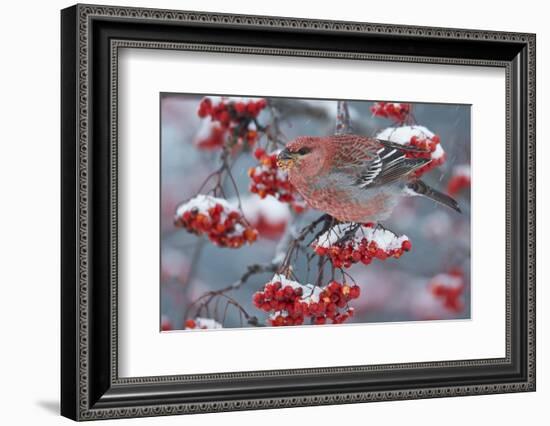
(355,178)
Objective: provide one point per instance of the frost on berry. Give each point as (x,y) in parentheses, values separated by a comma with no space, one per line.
(200,323)
(420,137)
(460,179)
(219,220)
(268,179)
(232,121)
(398,112)
(290,303)
(346,244)
(448,287)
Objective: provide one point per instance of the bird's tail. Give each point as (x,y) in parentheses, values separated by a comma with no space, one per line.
(420,188)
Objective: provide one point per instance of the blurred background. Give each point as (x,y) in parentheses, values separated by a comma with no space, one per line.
(431,282)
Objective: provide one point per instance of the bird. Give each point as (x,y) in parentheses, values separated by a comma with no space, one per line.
(356,178)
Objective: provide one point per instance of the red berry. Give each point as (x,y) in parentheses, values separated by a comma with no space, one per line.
(354,292)
(190,323)
(240,107)
(320,320)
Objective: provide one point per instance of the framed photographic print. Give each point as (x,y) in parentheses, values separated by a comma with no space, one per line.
(263,212)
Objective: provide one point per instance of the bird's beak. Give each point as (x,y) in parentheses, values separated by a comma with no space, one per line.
(286,159)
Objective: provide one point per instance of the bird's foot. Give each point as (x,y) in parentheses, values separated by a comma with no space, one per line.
(350,232)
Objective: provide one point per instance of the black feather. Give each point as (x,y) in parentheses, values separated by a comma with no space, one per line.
(421,188)
(381,171)
(390,164)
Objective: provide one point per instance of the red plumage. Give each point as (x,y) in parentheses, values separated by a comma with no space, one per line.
(353,178)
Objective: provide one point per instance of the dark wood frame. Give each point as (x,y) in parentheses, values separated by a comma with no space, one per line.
(91,37)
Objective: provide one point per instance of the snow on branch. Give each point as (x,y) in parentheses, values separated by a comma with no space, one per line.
(217,218)
(346,244)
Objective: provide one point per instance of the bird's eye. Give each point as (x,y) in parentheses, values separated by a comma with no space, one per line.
(304,150)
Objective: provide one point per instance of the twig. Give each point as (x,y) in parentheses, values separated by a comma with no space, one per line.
(295,242)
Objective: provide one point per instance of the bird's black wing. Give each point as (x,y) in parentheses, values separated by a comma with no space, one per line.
(390,164)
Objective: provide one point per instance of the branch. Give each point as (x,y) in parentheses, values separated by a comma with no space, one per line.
(204,301)
(343,120)
(186,282)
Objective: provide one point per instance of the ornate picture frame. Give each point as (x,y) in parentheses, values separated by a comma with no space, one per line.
(91,38)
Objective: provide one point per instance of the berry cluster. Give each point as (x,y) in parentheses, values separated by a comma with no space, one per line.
(428,144)
(214,140)
(269,179)
(344,246)
(394,111)
(289,302)
(434,152)
(215,217)
(228,111)
(236,119)
(269,229)
(460,179)
(420,137)
(449,287)
(202,324)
